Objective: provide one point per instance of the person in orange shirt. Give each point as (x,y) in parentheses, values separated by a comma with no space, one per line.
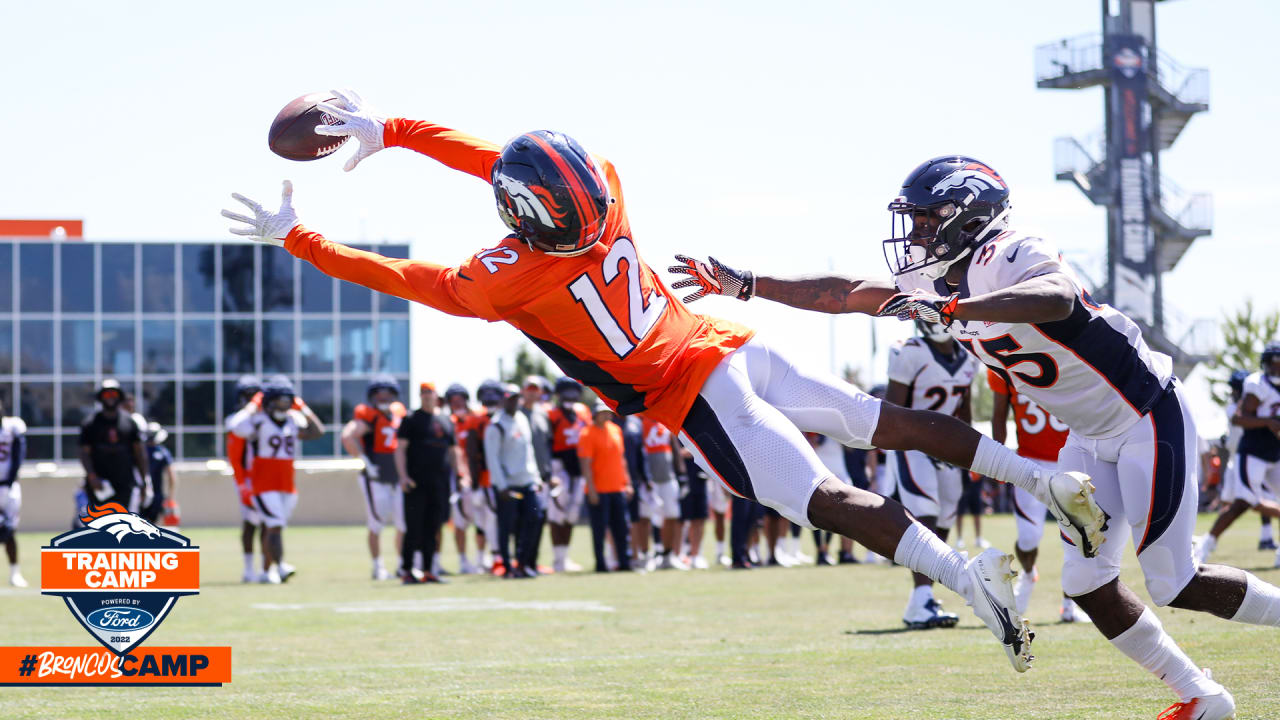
(275,424)
(1040,438)
(370,435)
(569,276)
(604,471)
(241,461)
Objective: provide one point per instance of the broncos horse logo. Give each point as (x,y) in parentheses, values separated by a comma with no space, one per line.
(533,202)
(974,177)
(115,519)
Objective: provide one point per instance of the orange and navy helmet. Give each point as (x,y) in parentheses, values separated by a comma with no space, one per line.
(551,193)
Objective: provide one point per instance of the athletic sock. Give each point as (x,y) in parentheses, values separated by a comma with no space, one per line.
(561,552)
(1261,604)
(1147,644)
(248,562)
(921,550)
(1265,535)
(995,460)
(1209,543)
(719,548)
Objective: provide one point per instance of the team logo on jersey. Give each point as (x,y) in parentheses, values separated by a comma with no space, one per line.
(974,176)
(533,202)
(119,575)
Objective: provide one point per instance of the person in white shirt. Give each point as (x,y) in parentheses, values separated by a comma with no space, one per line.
(513,473)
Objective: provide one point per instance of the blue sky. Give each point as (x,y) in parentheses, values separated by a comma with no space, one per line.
(770,135)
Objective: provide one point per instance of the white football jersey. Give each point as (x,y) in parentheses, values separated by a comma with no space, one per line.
(11,428)
(1261,442)
(267,439)
(1092,369)
(1234,431)
(937,382)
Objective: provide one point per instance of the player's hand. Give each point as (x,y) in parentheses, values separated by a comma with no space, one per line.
(921,305)
(246,495)
(712,278)
(266,226)
(370,470)
(407,484)
(358,121)
(593,497)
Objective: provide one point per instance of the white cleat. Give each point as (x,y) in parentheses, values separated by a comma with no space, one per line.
(249,576)
(1079,517)
(1202,546)
(380,573)
(992,576)
(671,562)
(287,571)
(270,577)
(699,563)
(723,560)
(16,579)
(1219,706)
(1072,613)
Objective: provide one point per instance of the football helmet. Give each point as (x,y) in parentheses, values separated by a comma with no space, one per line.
(551,193)
(1270,354)
(246,387)
(947,206)
(382,381)
(489,393)
(936,332)
(1236,381)
(109,393)
(456,389)
(277,396)
(568,389)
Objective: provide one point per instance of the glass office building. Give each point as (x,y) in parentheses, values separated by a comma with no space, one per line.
(177,324)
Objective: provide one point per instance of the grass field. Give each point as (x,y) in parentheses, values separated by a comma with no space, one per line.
(802,642)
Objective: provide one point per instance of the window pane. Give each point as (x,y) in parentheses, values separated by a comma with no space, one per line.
(391,303)
(317,290)
(317,346)
(159,402)
(35,350)
(237,278)
(197,278)
(157,278)
(237,346)
(353,393)
(277,280)
(197,346)
(117,347)
(319,395)
(39,447)
(77,347)
(356,343)
(198,446)
(319,447)
(77,402)
(6,347)
(355,298)
(277,347)
(77,277)
(199,403)
(36,280)
(6,275)
(117,278)
(70,443)
(393,346)
(37,403)
(158,346)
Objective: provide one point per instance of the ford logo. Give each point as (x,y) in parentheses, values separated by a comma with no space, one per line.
(120,618)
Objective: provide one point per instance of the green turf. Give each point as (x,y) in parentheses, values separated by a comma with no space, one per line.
(804,642)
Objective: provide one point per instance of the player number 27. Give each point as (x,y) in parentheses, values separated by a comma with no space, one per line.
(643,312)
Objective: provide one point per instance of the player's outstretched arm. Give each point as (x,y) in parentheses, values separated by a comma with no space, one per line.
(423,282)
(375,132)
(1044,298)
(820,293)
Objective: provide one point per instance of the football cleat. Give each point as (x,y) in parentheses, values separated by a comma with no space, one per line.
(1267,544)
(16,579)
(1079,517)
(992,576)
(287,571)
(930,616)
(1072,613)
(1219,706)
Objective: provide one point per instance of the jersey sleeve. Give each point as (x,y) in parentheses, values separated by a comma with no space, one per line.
(1023,259)
(241,423)
(454,149)
(904,363)
(423,282)
(996,383)
(365,414)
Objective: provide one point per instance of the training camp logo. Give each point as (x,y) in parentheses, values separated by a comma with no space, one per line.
(975,177)
(119,575)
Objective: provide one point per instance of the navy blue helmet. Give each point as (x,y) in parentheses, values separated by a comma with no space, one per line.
(489,393)
(947,206)
(276,386)
(247,386)
(551,193)
(1236,381)
(1270,352)
(382,381)
(456,389)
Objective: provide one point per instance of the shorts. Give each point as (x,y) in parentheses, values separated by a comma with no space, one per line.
(248,510)
(927,488)
(1250,478)
(668,505)
(693,506)
(275,507)
(476,507)
(745,427)
(383,504)
(1146,482)
(10,508)
(717,498)
(1029,513)
(565,504)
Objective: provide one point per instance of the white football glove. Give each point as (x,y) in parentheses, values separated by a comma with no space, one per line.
(265,225)
(357,121)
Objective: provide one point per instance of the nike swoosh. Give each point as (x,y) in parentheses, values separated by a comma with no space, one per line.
(1010,633)
(1014,255)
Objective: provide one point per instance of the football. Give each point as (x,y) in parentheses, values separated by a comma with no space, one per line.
(293,135)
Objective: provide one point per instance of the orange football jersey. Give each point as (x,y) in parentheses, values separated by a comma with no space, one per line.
(566,427)
(1040,435)
(604,317)
(657,438)
(382,438)
(472,426)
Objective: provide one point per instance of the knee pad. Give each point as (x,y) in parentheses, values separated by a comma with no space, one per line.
(1084,575)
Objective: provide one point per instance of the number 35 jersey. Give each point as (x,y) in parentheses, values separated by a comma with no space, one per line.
(937,382)
(273,446)
(1092,369)
(604,317)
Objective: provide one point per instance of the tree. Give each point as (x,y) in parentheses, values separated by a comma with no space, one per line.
(526,363)
(1244,333)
